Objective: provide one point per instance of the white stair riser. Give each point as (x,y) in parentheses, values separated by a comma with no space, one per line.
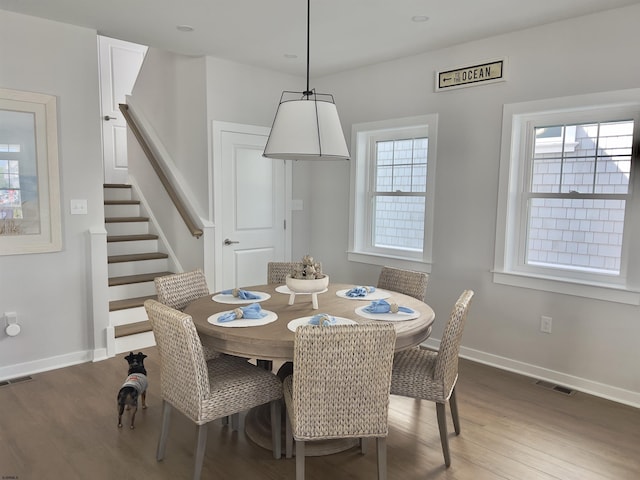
(127,316)
(127,228)
(136,246)
(135,268)
(117,193)
(131,290)
(121,210)
(136,342)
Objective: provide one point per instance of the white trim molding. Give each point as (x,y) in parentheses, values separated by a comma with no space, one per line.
(584,385)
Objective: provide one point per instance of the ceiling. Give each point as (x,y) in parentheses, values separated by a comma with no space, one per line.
(344,34)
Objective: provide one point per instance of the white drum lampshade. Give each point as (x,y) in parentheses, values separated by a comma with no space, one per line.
(305,129)
(307,126)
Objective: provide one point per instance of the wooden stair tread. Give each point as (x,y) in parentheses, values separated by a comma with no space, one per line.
(132,328)
(122,202)
(140,278)
(129,303)
(131,238)
(125,219)
(136,257)
(116,185)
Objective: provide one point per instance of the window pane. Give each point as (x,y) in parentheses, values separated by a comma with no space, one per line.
(580,234)
(401,165)
(583,158)
(399,222)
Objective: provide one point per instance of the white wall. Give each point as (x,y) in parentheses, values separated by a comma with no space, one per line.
(238,93)
(182,97)
(49,291)
(594,344)
(170,94)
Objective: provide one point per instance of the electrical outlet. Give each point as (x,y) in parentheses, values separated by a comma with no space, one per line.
(545,324)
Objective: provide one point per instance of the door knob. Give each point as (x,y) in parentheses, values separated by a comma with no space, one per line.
(107,118)
(229,242)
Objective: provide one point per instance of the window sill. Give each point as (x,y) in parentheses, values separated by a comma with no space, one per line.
(607,293)
(390,261)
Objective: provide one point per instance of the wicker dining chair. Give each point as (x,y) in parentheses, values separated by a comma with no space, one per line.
(205,391)
(339,387)
(428,375)
(409,282)
(277,271)
(178,290)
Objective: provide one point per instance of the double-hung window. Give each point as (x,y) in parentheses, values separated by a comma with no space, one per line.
(393,168)
(568,206)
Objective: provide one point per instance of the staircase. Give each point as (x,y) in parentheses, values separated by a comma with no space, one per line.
(134,260)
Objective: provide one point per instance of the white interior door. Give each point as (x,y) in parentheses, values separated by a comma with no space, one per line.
(253,204)
(120,63)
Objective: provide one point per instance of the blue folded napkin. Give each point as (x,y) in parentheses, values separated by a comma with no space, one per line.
(322,319)
(360,291)
(242,294)
(382,306)
(252,312)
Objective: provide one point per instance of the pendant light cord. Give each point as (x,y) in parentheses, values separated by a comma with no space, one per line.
(307,93)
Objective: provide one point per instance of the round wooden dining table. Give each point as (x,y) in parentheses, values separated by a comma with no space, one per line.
(274,341)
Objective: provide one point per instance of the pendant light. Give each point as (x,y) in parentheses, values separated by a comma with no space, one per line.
(306,125)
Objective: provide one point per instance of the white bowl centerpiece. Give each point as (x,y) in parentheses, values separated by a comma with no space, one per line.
(308,278)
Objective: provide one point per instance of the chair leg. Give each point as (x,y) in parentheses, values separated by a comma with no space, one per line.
(363,445)
(200,449)
(381,443)
(235,421)
(276,428)
(442,425)
(453,404)
(164,430)
(288,437)
(299,460)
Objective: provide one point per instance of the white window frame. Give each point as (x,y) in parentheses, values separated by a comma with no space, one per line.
(363,136)
(509,267)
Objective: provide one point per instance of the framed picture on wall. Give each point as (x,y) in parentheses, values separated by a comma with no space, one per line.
(29,177)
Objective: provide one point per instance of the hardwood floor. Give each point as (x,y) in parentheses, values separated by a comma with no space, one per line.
(63,425)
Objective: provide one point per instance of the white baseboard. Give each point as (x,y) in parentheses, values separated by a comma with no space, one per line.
(100,354)
(584,385)
(45,364)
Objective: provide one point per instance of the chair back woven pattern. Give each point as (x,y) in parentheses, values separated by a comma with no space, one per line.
(341,381)
(409,282)
(446,367)
(184,380)
(179,289)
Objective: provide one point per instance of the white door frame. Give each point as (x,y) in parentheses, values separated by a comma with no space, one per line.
(215,191)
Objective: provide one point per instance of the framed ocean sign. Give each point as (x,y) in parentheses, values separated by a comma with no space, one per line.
(29,178)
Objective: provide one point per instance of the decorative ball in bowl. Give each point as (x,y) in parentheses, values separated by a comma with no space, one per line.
(303,285)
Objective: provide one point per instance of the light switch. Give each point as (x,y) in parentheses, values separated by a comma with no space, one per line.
(79,207)
(297,205)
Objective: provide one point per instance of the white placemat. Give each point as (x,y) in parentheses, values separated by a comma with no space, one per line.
(243,322)
(229,298)
(389,317)
(284,289)
(377,294)
(293,324)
